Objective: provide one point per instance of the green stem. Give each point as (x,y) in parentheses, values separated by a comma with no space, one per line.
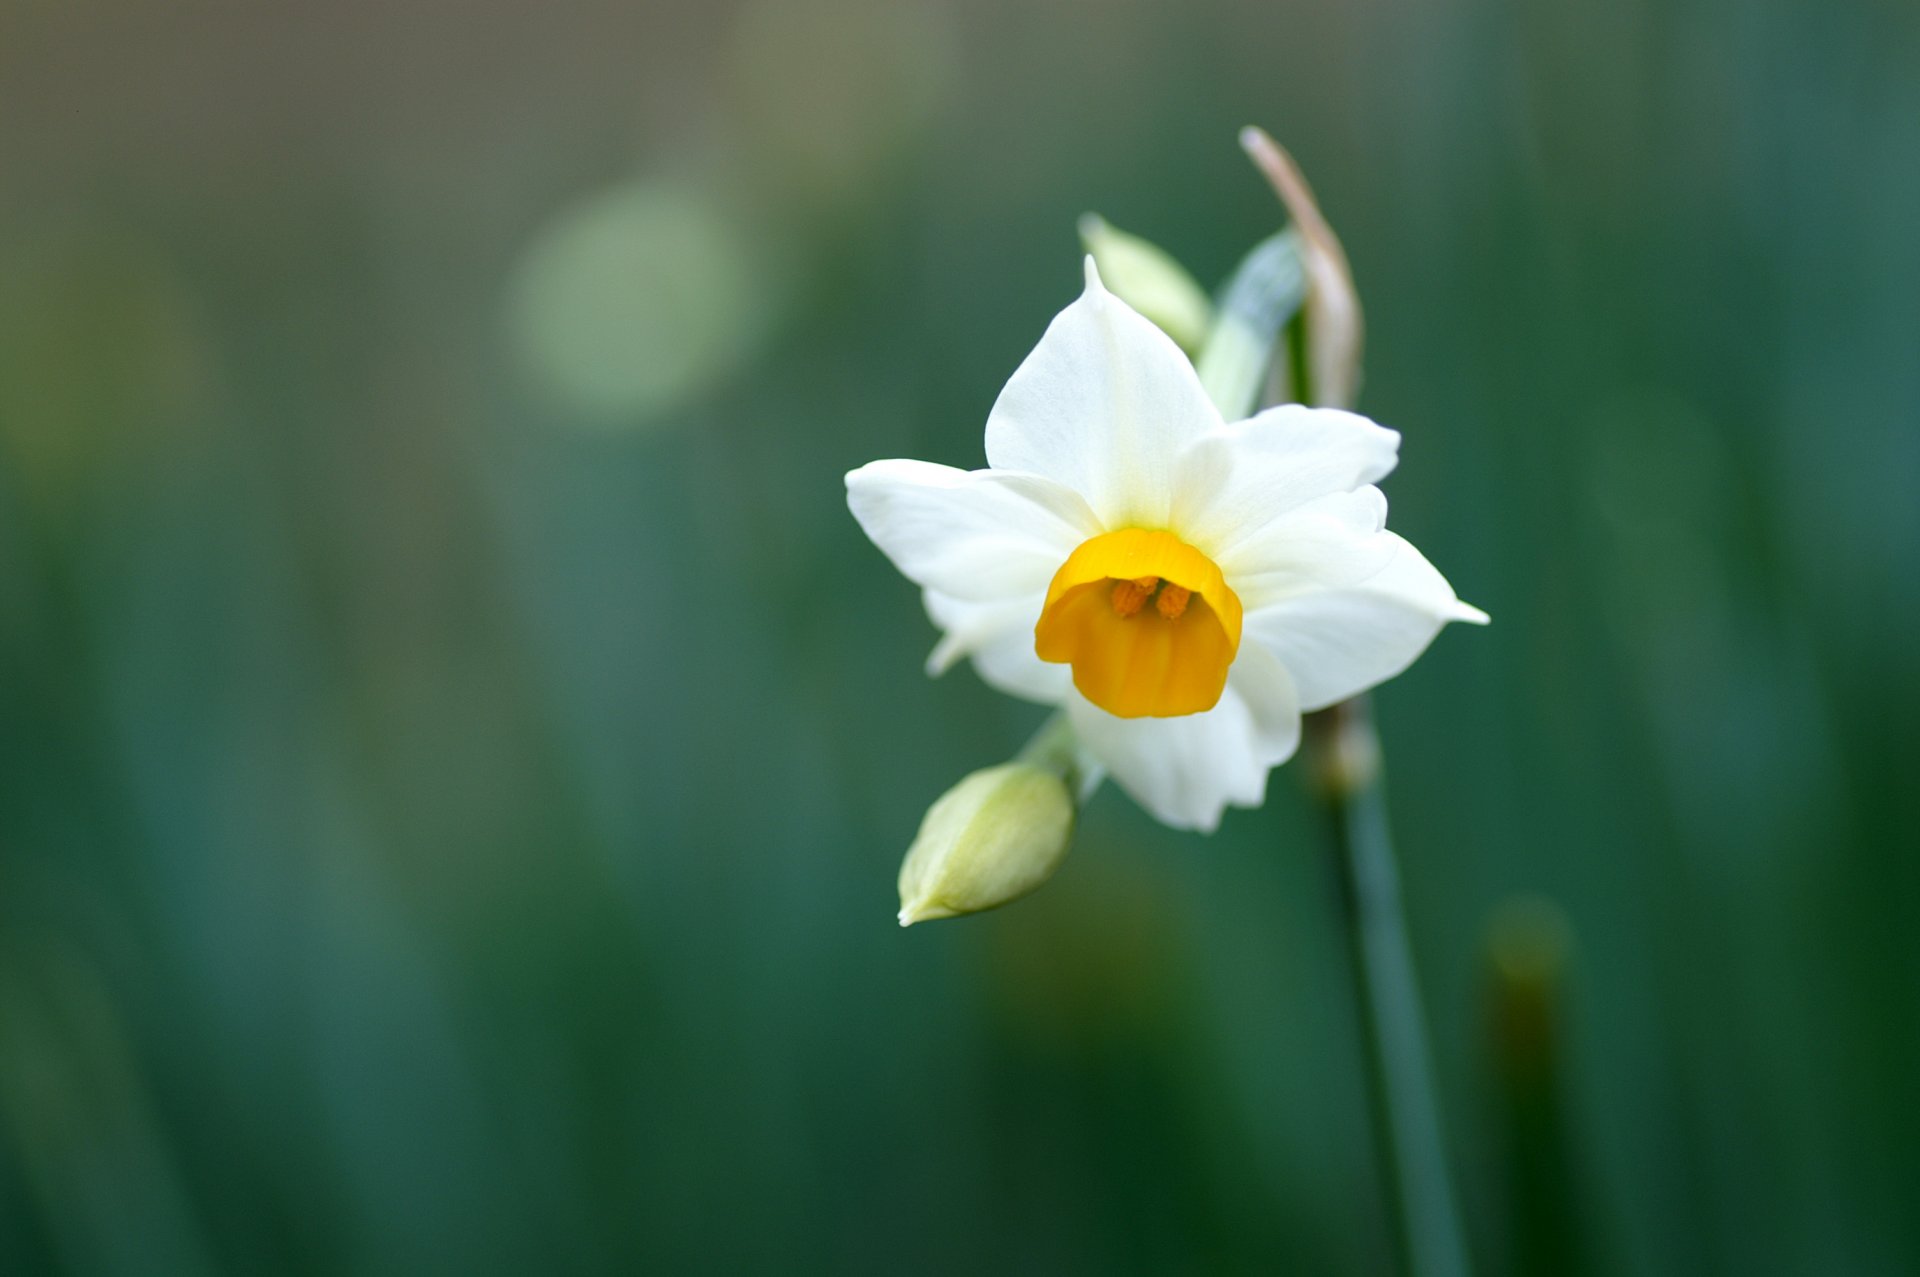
(1346,757)
(1406,1111)
(1056,748)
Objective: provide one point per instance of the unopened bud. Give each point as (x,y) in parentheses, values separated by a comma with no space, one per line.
(991,839)
(1145,277)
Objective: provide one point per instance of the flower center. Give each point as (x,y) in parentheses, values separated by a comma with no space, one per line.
(1131,659)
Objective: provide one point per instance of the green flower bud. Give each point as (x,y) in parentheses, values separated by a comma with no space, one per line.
(1143,276)
(992,838)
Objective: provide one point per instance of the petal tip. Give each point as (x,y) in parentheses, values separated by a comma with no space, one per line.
(944,655)
(1094,285)
(922,911)
(1470,614)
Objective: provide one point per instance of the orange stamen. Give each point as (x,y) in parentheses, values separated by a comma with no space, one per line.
(1130,596)
(1131,660)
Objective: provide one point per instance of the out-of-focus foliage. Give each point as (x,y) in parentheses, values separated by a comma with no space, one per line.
(435,836)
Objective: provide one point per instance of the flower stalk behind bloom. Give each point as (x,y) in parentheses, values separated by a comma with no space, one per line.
(1345,757)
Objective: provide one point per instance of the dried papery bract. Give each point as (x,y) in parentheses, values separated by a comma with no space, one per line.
(1335,328)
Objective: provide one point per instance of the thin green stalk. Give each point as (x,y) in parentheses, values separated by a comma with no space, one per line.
(1406,1113)
(1055,748)
(1288,319)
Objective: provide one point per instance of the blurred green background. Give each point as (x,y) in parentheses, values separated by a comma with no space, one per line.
(455,747)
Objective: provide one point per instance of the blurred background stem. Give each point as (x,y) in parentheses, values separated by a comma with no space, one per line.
(1546,1227)
(1344,753)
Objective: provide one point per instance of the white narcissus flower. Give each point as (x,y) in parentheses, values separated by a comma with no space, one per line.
(1183,586)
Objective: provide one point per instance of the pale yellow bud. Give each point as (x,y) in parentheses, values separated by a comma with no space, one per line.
(1145,277)
(992,838)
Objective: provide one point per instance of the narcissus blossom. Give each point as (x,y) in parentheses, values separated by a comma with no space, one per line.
(1185,587)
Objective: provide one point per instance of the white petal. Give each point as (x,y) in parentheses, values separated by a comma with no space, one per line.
(981,534)
(999,638)
(1186,770)
(1338,642)
(1237,479)
(1331,543)
(1104,404)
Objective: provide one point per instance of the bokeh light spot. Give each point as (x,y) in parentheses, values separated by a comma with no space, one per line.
(631,304)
